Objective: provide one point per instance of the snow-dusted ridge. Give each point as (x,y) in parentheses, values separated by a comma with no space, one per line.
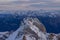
(30,29)
(43,13)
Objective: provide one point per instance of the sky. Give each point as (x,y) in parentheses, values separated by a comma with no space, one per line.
(29,4)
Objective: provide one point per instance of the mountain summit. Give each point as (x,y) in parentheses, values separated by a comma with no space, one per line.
(30,29)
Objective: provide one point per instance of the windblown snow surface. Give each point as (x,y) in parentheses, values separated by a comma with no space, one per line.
(30,29)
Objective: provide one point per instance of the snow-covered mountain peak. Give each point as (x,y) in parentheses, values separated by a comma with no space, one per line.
(28,29)
(31,29)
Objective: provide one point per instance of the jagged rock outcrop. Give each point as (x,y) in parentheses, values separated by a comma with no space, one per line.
(52,36)
(38,24)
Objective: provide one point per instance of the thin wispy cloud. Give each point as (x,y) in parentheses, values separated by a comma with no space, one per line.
(29,4)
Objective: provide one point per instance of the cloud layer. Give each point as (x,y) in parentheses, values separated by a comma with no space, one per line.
(30,4)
